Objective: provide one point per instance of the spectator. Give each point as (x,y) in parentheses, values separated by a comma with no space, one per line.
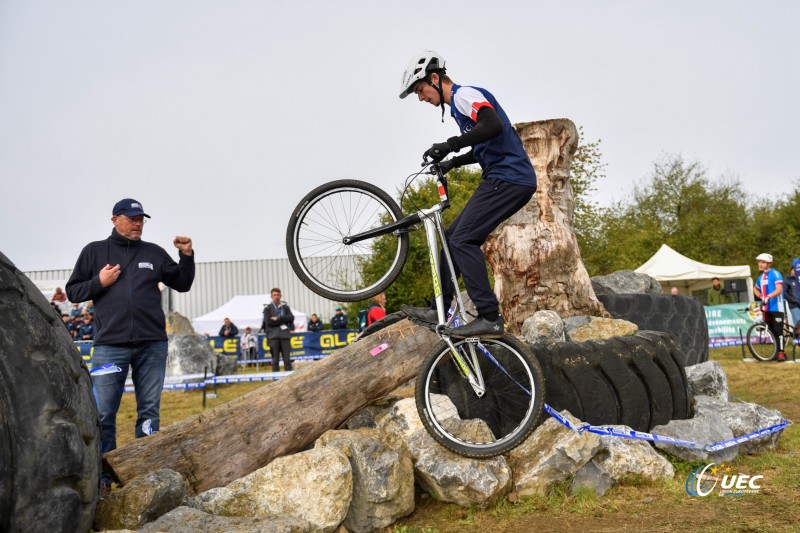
(90,307)
(769,287)
(716,294)
(377,308)
(674,291)
(228,329)
(86,328)
(76,312)
(279,324)
(791,291)
(58,296)
(122,273)
(315,324)
(68,324)
(339,320)
(248,345)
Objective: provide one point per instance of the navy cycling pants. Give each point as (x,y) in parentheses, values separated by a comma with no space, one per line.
(492,202)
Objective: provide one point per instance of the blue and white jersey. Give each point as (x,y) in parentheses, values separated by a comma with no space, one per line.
(767,283)
(503,156)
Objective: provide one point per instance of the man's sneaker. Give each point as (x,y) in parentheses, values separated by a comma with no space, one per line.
(480,327)
(426,314)
(781,356)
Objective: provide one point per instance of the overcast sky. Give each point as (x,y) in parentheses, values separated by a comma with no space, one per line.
(218,116)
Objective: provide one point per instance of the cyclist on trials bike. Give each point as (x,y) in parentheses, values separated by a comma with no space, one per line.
(509,182)
(769,288)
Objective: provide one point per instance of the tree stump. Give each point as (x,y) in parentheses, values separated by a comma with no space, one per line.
(534,255)
(236,438)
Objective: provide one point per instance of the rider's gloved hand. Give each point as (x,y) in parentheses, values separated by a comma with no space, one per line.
(439,151)
(447,166)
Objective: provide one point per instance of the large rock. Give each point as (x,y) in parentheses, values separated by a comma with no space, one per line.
(708,379)
(702,429)
(600,328)
(315,485)
(192,354)
(624,282)
(177,324)
(445,475)
(742,418)
(543,326)
(188,520)
(140,501)
(592,476)
(550,455)
(631,458)
(383,477)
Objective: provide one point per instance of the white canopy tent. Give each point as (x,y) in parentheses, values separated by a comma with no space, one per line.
(675,270)
(243,311)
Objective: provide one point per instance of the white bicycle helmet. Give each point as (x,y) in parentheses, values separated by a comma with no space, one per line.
(764,257)
(418,68)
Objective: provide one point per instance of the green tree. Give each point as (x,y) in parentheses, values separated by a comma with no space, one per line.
(586,170)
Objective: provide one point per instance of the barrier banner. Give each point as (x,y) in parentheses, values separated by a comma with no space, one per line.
(302,344)
(727,324)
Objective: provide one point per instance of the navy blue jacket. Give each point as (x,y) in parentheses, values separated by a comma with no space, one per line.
(129,310)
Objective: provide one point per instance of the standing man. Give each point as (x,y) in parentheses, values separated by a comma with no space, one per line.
(278,325)
(716,293)
(769,287)
(121,275)
(339,319)
(228,329)
(509,182)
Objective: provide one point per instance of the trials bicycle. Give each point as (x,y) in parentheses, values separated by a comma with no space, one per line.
(478,397)
(760,339)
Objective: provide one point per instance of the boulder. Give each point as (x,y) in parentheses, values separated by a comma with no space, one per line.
(188,520)
(383,477)
(177,324)
(708,379)
(704,429)
(141,501)
(624,282)
(543,326)
(445,475)
(315,485)
(631,458)
(601,328)
(591,476)
(742,418)
(550,455)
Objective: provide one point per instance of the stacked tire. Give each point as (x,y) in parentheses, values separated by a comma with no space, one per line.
(681,316)
(637,381)
(49,427)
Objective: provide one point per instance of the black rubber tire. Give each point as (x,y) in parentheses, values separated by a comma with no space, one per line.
(760,350)
(637,381)
(510,413)
(49,426)
(682,316)
(319,234)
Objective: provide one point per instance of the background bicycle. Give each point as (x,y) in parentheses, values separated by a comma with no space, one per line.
(760,339)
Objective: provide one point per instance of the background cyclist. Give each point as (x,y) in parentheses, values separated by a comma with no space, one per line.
(769,287)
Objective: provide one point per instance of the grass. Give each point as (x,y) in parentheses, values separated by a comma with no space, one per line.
(632,506)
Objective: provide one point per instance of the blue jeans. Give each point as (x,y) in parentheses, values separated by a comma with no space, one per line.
(148,363)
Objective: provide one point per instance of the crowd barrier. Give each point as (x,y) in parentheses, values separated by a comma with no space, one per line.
(303,345)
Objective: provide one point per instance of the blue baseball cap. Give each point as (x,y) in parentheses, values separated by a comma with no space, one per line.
(129,207)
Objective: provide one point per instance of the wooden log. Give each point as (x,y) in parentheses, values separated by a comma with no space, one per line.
(534,254)
(243,435)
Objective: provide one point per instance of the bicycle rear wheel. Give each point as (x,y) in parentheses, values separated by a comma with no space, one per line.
(318,255)
(761,342)
(484,426)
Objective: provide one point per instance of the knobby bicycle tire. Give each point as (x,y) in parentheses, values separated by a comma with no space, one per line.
(318,255)
(761,342)
(490,425)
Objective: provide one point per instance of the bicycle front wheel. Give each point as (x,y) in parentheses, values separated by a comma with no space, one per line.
(331,268)
(494,422)
(761,342)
